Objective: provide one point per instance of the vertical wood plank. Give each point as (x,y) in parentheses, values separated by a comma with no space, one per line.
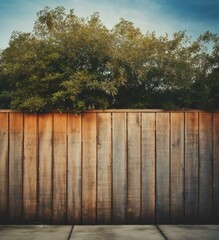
(205,170)
(134,169)
(191,168)
(123,188)
(74,169)
(104,165)
(216,167)
(89,133)
(45,168)
(59,168)
(3,167)
(177,168)
(162,168)
(148,168)
(16,167)
(30,168)
(119,168)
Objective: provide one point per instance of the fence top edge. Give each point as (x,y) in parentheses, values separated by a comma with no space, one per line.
(119,111)
(147,111)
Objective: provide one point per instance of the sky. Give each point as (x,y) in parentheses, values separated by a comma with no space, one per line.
(161,16)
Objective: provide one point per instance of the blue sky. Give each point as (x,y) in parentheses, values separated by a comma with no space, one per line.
(161,16)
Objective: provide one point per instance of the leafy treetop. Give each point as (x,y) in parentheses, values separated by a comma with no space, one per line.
(69,63)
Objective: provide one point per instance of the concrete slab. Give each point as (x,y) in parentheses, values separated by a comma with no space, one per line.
(190,232)
(118,232)
(34,232)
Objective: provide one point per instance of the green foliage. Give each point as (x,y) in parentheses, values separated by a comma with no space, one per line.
(72,64)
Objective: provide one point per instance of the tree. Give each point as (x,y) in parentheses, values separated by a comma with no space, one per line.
(69,63)
(62,65)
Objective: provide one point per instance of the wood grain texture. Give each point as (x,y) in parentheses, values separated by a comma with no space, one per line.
(177,168)
(216,167)
(148,168)
(134,168)
(119,168)
(30,168)
(74,169)
(104,167)
(89,188)
(45,168)
(162,168)
(16,168)
(3,167)
(191,168)
(59,169)
(109,167)
(205,169)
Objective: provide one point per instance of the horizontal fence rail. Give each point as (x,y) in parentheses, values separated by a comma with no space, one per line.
(109,167)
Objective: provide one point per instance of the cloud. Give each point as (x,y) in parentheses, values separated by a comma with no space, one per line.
(148,16)
(160,16)
(195,10)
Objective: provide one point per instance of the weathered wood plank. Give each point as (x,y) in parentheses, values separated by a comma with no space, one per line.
(89,187)
(30,168)
(205,169)
(148,168)
(115,187)
(59,168)
(16,167)
(162,168)
(74,169)
(191,168)
(216,167)
(119,168)
(3,167)
(177,168)
(104,167)
(45,168)
(134,168)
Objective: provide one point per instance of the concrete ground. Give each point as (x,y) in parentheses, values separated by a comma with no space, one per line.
(110,232)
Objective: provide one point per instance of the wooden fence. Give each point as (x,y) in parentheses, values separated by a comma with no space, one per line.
(109,167)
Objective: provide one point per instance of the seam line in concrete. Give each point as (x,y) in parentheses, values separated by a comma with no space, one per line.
(69,236)
(160,231)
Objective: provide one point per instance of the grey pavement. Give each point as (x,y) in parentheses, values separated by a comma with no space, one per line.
(119,232)
(109,232)
(34,232)
(190,232)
